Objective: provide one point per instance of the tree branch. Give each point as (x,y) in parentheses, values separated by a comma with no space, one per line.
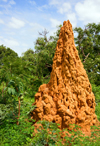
(86,57)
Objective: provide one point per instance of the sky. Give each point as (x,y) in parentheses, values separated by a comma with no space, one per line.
(21,20)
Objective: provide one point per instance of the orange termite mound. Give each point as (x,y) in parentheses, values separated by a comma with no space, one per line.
(68,97)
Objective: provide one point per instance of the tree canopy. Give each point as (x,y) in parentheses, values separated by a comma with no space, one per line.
(88,46)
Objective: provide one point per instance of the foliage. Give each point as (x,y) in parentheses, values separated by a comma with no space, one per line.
(96,91)
(88,46)
(47,134)
(6,52)
(13,134)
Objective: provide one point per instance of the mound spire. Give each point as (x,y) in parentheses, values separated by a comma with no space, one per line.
(68,97)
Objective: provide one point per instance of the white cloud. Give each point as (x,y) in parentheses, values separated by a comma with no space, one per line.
(45,6)
(88,11)
(5,6)
(1,21)
(62,6)
(32,2)
(11,43)
(54,2)
(12,2)
(17,45)
(35,27)
(25,45)
(8,5)
(42,7)
(10,33)
(16,23)
(54,22)
(1,37)
(1,12)
(72,19)
(4,0)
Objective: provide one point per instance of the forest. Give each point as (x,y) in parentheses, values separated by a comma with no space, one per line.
(20,78)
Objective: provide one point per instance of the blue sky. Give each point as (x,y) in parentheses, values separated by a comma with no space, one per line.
(21,20)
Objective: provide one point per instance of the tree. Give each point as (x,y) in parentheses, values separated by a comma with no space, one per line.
(5,52)
(88,46)
(30,58)
(45,47)
(33,82)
